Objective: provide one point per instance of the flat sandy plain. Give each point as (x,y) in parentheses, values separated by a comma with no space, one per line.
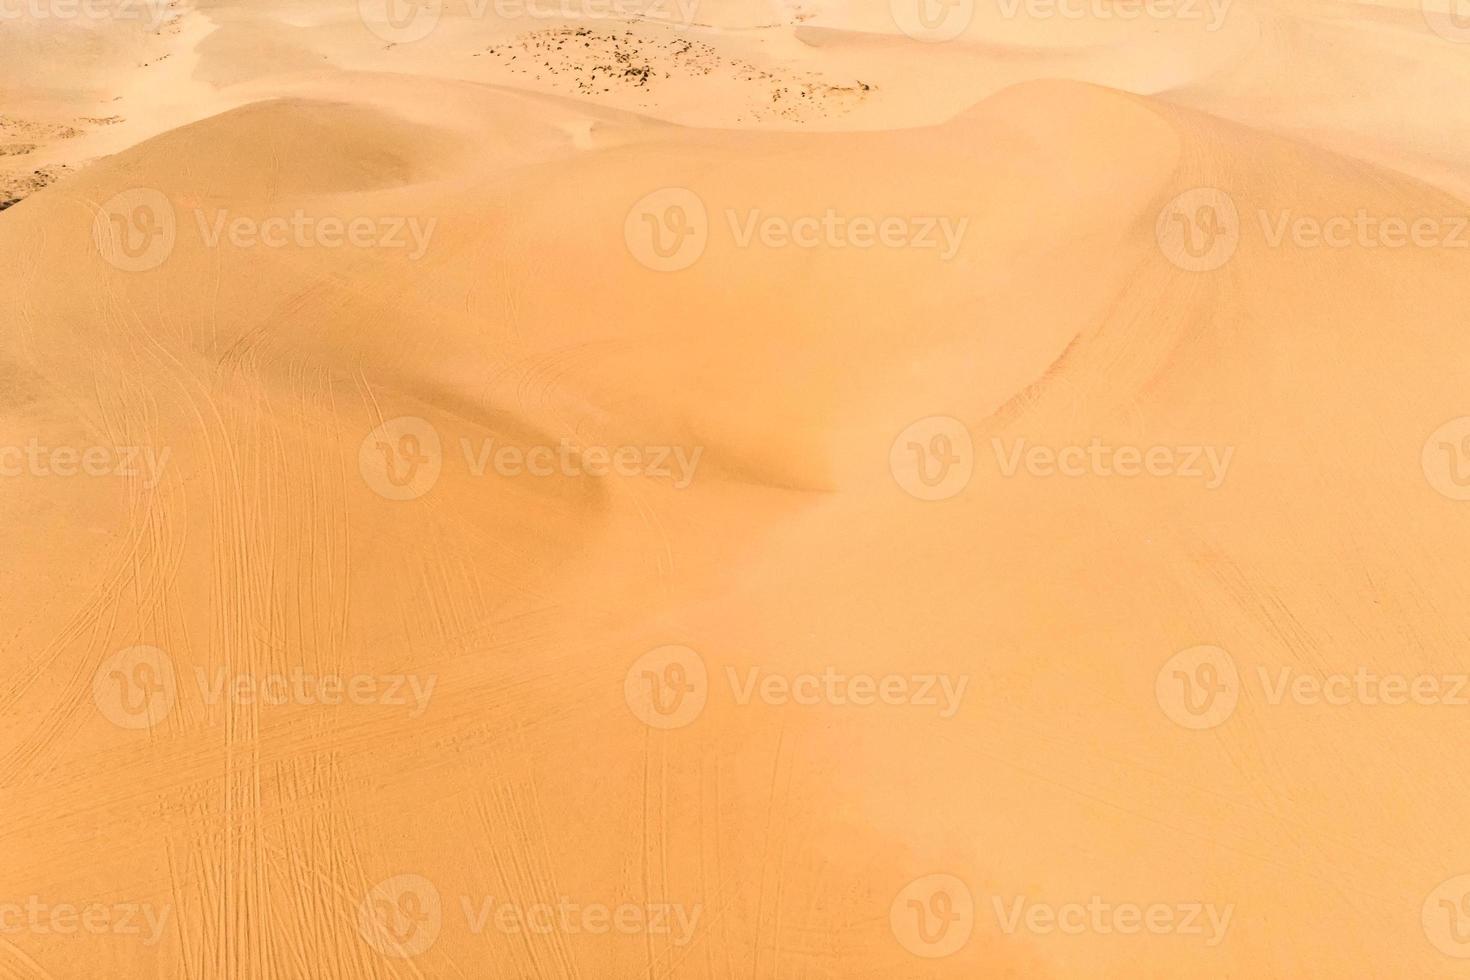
(717,488)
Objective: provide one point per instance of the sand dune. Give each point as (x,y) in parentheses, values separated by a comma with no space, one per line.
(763,494)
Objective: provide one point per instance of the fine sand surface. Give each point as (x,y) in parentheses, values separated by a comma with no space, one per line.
(734,490)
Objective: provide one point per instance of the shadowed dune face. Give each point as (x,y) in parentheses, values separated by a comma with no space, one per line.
(461,522)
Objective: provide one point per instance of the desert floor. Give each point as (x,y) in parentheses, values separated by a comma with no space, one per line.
(717,488)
